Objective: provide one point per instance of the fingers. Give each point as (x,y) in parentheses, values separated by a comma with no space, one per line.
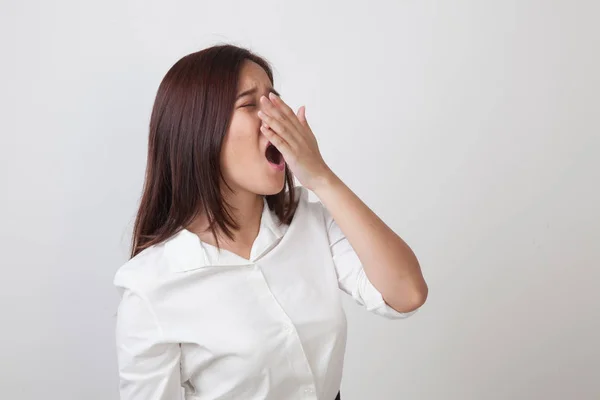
(277,140)
(276,125)
(282,117)
(302,116)
(285,109)
(287,130)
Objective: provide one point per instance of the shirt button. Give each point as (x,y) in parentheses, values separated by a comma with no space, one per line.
(309,390)
(288,329)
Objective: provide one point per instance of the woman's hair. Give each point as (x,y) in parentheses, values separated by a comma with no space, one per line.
(190,117)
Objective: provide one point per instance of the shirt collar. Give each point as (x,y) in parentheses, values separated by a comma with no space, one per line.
(185,251)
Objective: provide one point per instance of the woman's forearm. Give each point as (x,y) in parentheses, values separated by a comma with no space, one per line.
(388,261)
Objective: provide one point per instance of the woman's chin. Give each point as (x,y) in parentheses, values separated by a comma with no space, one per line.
(272,184)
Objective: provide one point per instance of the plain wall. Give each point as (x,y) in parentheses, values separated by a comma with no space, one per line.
(471,127)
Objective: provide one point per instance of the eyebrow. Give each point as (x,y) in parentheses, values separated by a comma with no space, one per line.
(252,91)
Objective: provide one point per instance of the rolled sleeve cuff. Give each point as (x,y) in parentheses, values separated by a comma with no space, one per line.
(374,301)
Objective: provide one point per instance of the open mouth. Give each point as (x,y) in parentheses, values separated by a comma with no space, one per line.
(274,157)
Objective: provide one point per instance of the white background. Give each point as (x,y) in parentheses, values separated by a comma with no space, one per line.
(471,127)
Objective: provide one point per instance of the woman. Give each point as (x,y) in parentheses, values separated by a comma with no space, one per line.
(231,291)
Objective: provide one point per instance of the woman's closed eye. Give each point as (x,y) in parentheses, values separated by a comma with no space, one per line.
(249,105)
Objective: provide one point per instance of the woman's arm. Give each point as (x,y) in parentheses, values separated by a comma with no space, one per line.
(148,365)
(388,261)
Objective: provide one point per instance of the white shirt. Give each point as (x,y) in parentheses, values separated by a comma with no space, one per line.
(224,327)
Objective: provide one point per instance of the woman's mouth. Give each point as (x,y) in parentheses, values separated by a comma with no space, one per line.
(274,157)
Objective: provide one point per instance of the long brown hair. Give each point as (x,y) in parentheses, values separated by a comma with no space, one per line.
(190,117)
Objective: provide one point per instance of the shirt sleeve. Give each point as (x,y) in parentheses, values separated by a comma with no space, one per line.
(149,368)
(352,278)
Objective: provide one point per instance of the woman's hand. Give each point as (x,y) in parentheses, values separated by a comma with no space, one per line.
(292,136)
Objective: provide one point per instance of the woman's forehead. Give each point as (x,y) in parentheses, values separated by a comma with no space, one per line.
(253,76)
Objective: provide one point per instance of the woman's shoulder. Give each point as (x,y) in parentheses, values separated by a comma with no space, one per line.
(143,270)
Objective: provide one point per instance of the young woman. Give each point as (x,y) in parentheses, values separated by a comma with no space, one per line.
(231,291)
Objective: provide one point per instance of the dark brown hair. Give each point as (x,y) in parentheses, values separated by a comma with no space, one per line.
(190,117)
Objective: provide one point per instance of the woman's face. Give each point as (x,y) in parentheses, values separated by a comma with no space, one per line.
(244,153)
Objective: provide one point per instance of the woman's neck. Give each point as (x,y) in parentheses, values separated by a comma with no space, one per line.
(246,209)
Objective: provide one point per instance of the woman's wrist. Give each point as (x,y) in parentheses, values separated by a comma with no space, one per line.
(325,182)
